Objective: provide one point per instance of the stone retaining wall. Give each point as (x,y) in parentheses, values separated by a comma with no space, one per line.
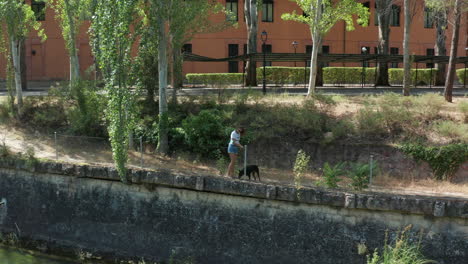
(216,220)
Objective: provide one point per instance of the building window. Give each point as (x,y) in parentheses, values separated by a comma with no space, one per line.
(430,52)
(267,11)
(394,51)
(187,48)
(366,4)
(395,16)
(233,50)
(38,7)
(232,8)
(267,49)
(428,18)
(308,52)
(376,16)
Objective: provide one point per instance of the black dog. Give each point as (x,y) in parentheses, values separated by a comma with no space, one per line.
(252,170)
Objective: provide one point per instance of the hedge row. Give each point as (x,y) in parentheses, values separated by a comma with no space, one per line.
(395,76)
(461,75)
(348,75)
(331,75)
(214,79)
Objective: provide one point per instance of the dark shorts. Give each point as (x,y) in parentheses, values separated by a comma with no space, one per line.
(233,149)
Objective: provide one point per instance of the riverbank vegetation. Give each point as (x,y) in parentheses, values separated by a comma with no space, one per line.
(199,125)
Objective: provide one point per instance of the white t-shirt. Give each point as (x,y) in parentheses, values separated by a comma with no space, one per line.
(235,137)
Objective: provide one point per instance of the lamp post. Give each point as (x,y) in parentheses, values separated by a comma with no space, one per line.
(294,44)
(264,37)
(363,77)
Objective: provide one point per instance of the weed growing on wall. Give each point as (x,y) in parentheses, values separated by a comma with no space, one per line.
(301,166)
(402,250)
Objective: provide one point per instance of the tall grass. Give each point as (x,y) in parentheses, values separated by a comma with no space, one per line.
(401,251)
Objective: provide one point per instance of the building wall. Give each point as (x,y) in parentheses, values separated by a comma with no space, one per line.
(50,59)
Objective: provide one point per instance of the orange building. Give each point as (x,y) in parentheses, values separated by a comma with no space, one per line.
(49,60)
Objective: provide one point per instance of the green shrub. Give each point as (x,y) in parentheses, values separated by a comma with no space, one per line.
(461,75)
(301,166)
(402,251)
(395,76)
(359,175)
(428,106)
(44,113)
(4,151)
(86,116)
(443,160)
(204,133)
(330,175)
(348,75)
(452,130)
(214,79)
(463,108)
(370,122)
(396,113)
(280,75)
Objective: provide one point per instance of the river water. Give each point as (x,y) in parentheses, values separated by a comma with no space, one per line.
(14,256)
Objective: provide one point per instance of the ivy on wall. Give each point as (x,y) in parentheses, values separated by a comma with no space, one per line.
(443,160)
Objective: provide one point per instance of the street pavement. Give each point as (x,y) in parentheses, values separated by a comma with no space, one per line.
(42,90)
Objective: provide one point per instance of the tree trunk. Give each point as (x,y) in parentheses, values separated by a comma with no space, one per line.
(383,17)
(73,51)
(16,56)
(317,39)
(177,80)
(163,144)
(251,18)
(319,78)
(440,49)
(453,52)
(317,43)
(24,76)
(406,55)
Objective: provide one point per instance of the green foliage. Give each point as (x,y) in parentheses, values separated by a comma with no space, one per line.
(31,159)
(330,175)
(221,164)
(463,108)
(280,75)
(86,117)
(395,112)
(205,133)
(114,27)
(452,130)
(4,151)
(44,113)
(214,79)
(395,76)
(443,160)
(301,166)
(401,251)
(461,75)
(359,174)
(348,75)
(370,122)
(332,12)
(71,14)
(19,20)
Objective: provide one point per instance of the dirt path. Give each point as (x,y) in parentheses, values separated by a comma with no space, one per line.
(97,151)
